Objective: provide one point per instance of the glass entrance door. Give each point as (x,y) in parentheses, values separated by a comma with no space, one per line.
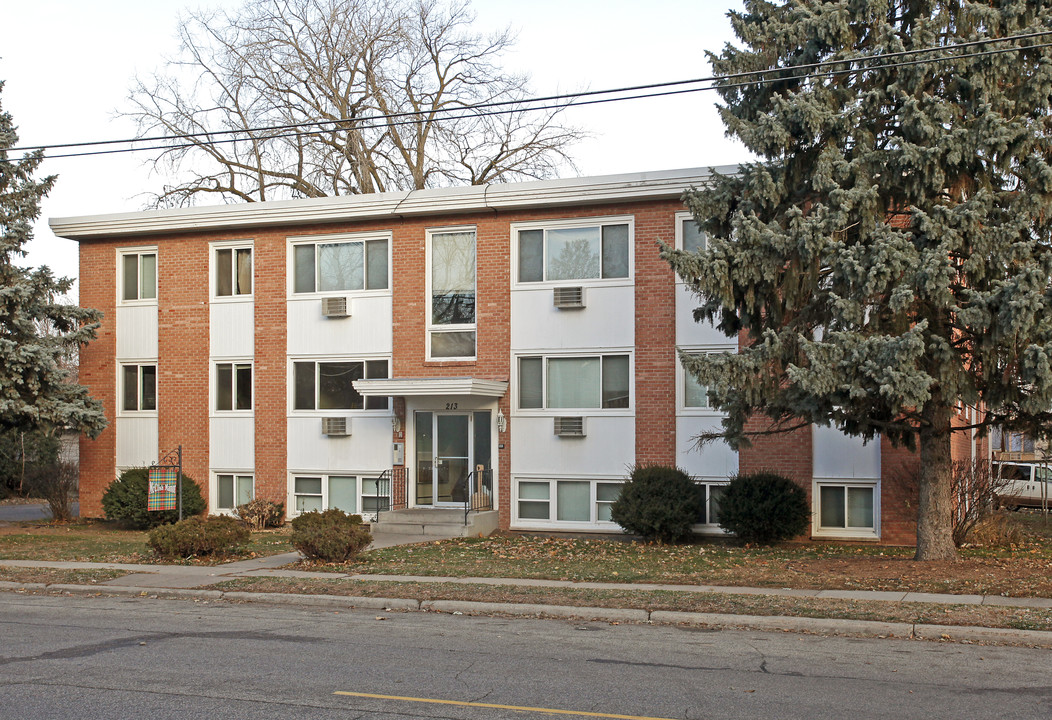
(448,447)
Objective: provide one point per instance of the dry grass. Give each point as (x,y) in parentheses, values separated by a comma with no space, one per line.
(55,575)
(97,541)
(768,605)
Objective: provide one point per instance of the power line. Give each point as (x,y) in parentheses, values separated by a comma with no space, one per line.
(549,98)
(574,99)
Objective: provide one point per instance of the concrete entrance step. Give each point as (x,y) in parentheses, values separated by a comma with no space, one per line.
(437,522)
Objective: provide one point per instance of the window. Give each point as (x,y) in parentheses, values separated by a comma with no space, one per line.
(451,330)
(710,513)
(600,381)
(323,492)
(691,237)
(847,508)
(695,395)
(574,252)
(233,271)
(138,387)
(568,501)
(340,265)
(233,386)
(233,490)
(139,276)
(328,385)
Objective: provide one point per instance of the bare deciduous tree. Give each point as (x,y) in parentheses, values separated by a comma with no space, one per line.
(339,97)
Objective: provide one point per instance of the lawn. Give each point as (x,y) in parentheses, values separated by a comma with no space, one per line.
(98,541)
(1021,569)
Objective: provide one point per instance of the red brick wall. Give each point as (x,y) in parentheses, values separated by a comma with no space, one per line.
(898,494)
(655,334)
(182,352)
(271,341)
(98,370)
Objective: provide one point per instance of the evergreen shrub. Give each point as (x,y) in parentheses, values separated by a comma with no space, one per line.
(330,536)
(125,501)
(764,508)
(659,503)
(199,536)
(260,513)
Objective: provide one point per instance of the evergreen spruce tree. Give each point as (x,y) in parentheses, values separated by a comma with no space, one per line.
(38,333)
(889,255)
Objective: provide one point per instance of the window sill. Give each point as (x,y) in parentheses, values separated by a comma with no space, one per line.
(837,534)
(231,299)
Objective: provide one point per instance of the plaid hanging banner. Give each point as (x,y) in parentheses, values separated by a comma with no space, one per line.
(162,494)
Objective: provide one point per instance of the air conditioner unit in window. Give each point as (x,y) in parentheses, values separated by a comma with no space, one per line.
(568,298)
(569,426)
(334,307)
(335,426)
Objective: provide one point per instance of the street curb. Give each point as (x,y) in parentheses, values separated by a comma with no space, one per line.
(858,628)
(874,628)
(471,607)
(341,601)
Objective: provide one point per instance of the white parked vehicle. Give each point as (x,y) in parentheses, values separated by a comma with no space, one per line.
(1023,485)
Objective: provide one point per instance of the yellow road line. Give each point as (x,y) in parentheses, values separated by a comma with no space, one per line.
(550,711)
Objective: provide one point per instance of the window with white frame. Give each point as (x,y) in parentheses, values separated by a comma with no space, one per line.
(138,387)
(451,282)
(695,395)
(233,271)
(328,384)
(593,381)
(689,236)
(566,501)
(233,386)
(846,508)
(340,264)
(233,489)
(318,492)
(710,512)
(578,250)
(139,275)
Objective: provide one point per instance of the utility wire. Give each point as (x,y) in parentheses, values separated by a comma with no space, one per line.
(549,98)
(391,120)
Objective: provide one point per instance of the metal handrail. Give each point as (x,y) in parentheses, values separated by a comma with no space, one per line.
(480,492)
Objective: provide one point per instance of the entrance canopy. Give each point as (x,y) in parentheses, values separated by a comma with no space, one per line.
(410,387)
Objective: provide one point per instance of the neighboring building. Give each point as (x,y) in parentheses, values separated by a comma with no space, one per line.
(300,350)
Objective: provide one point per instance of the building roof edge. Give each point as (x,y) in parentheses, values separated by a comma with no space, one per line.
(416,203)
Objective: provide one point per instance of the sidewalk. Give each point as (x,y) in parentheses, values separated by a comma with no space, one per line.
(181,581)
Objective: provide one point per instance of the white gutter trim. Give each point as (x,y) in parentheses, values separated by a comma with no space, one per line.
(667,184)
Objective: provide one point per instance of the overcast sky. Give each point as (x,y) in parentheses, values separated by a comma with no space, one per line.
(68,65)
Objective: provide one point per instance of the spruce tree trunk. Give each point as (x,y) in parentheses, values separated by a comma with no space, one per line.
(934,511)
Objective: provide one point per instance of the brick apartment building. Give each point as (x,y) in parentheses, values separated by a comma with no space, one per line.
(302,350)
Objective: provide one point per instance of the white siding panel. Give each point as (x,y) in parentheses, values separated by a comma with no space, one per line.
(837,455)
(608,320)
(608,449)
(688,332)
(137,332)
(230,326)
(232,442)
(368,447)
(714,460)
(368,331)
(136,441)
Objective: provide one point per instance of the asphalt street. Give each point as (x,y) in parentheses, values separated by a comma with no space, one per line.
(85,657)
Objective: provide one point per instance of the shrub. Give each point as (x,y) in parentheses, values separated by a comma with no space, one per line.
(330,536)
(764,508)
(659,503)
(125,501)
(996,529)
(198,536)
(260,513)
(57,484)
